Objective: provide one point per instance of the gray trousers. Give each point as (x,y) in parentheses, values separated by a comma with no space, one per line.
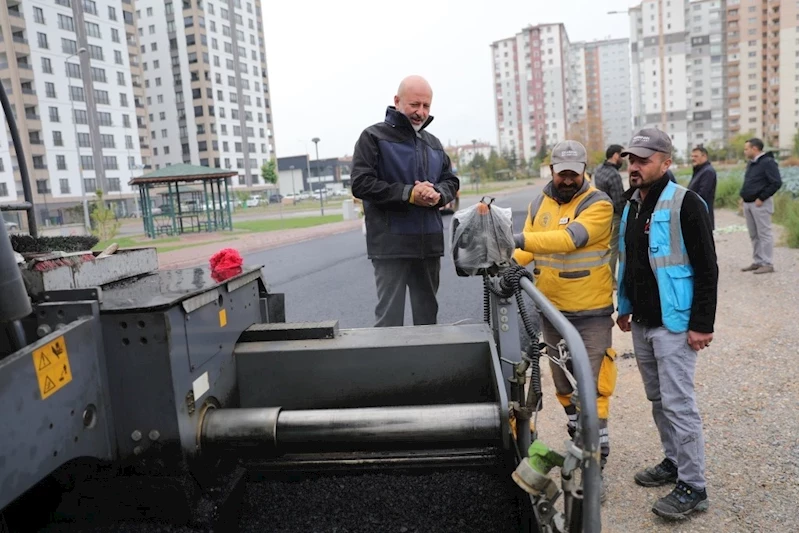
(667,365)
(597,335)
(758,222)
(420,277)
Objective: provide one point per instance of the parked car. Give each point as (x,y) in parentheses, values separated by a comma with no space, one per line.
(253,201)
(275,198)
(11,226)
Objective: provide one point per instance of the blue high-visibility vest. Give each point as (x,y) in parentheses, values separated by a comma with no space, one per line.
(668,259)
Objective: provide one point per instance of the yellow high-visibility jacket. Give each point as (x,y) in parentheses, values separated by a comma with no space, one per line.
(569,245)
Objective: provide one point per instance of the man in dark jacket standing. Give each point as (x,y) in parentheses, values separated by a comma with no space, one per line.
(403,176)
(703,180)
(761,181)
(608,180)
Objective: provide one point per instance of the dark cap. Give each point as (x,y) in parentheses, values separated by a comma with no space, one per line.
(648,141)
(569,155)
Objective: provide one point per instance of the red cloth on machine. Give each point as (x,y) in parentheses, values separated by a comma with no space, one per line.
(225,264)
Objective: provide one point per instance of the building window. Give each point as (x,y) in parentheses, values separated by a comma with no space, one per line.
(95,52)
(47,67)
(68,46)
(57,140)
(42,38)
(63,184)
(89,184)
(112,13)
(54,115)
(66,23)
(113,184)
(38,15)
(87,163)
(93,30)
(61,164)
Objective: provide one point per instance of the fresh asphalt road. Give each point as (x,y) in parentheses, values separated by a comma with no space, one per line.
(331,278)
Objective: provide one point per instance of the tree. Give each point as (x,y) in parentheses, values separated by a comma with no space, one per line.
(796,144)
(269,171)
(106,224)
(736,145)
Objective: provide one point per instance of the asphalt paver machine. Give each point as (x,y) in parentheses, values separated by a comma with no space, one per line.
(138,399)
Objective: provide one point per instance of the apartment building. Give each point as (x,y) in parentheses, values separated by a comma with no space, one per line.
(548,89)
(461,155)
(206,85)
(66,67)
(660,55)
(763,77)
(600,113)
(706,73)
(531,77)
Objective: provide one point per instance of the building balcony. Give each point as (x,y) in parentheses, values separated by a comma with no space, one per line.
(16,19)
(21,46)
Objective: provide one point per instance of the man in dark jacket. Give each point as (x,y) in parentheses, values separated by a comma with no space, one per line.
(403,176)
(703,180)
(608,180)
(761,181)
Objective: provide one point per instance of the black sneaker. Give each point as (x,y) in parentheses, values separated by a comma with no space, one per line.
(681,502)
(655,476)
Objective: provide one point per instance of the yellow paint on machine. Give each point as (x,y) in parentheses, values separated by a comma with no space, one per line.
(51,363)
(222,318)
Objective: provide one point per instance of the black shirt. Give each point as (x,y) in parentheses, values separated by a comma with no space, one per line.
(639,280)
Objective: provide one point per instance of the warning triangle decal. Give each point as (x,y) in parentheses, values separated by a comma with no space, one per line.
(44,362)
(48,385)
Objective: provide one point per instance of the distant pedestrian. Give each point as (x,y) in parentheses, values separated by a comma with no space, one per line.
(761,181)
(668,285)
(703,180)
(608,180)
(403,176)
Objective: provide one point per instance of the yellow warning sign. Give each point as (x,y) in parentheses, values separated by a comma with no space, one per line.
(222,318)
(51,363)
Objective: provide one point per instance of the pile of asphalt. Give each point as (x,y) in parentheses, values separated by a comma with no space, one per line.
(478,500)
(435,501)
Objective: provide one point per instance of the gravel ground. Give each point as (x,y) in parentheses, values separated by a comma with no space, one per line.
(747,399)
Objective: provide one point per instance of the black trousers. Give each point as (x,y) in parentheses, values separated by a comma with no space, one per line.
(420,277)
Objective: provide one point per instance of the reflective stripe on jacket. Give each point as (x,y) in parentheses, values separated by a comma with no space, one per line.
(668,259)
(569,247)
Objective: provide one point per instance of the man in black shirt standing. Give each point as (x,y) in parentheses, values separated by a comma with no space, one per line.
(668,279)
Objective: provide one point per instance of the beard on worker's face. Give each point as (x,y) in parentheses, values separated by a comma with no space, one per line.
(566,192)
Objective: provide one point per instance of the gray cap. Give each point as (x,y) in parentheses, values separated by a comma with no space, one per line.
(648,141)
(569,155)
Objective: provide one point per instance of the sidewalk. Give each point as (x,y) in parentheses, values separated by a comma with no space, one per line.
(250,242)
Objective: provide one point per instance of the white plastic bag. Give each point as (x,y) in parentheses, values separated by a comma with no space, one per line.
(482,238)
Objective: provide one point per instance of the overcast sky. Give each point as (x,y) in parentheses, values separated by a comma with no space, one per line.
(334,65)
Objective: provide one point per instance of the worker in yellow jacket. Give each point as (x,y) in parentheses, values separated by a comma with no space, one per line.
(566,239)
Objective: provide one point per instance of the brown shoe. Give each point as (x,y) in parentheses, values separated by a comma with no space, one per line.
(765,269)
(751,268)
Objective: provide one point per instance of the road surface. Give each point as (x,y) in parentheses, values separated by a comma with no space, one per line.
(332,278)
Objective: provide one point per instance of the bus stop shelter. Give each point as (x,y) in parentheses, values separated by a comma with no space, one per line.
(193,199)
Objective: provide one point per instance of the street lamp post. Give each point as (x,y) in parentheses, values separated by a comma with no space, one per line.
(316,140)
(474,166)
(293,187)
(84,201)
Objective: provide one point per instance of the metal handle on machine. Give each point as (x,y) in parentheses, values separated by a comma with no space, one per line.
(587,404)
(374,426)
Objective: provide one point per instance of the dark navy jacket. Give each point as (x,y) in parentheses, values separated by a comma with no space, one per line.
(389,158)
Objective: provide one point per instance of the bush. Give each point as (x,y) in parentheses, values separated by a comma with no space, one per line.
(727,191)
(786,213)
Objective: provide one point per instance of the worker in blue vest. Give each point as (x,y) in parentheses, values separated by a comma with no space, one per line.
(668,283)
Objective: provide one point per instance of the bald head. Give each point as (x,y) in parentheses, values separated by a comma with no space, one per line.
(413,99)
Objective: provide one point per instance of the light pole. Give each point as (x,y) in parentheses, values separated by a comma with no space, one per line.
(293,187)
(474,166)
(86,220)
(315,140)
